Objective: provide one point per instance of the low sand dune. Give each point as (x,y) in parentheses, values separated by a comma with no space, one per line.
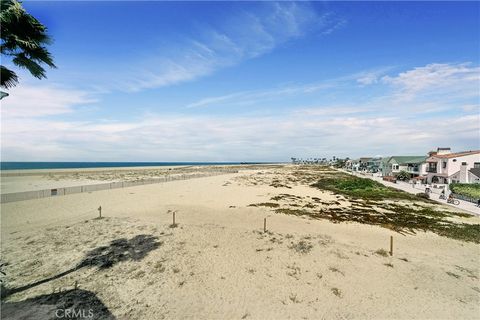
(217,263)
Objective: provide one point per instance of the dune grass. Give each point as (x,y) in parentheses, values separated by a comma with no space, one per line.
(373,205)
(362,188)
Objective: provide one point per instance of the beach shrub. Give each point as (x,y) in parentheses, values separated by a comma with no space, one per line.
(471,190)
(265,204)
(367,197)
(301,246)
(423,195)
(382,252)
(357,187)
(403,175)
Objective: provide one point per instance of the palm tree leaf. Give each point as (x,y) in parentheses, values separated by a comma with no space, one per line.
(23,37)
(40,54)
(8,78)
(35,69)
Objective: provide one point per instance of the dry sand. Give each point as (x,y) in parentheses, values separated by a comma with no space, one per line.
(219,264)
(39,179)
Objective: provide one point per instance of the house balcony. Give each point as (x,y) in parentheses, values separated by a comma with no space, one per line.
(431,170)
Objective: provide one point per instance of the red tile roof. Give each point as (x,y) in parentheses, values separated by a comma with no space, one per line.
(456,154)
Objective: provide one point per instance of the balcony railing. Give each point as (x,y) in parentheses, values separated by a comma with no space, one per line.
(432,170)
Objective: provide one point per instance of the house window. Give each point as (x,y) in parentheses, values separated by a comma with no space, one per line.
(395,166)
(476,164)
(432,167)
(444,165)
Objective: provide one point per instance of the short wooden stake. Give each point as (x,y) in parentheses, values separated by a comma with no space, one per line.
(173,217)
(76,284)
(264,224)
(391,245)
(100,211)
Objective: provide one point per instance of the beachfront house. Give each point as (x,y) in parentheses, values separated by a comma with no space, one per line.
(444,166)
(352,165)
(363,163)
(376,165)
(414,165)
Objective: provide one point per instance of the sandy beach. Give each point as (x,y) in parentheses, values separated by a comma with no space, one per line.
(218,263)
(38,179)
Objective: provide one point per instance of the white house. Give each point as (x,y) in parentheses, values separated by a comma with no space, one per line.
(352,165)
(443,166)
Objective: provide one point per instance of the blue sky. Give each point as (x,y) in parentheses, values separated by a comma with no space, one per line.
(248,81)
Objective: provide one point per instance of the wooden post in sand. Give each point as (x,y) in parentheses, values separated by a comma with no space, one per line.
(100,212)
(391,245)
(264,224)
(173,218)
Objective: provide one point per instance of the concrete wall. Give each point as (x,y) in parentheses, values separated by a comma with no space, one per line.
(37,194)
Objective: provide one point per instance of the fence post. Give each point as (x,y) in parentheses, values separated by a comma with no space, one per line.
(391,245)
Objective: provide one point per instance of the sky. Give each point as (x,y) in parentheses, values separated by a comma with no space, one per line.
(248,81)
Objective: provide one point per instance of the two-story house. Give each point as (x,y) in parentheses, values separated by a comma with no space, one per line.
(363,163)
(352,165)
(414,165)
(444,166)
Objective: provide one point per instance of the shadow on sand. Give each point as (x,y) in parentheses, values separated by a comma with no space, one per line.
(103,257)
(71,304)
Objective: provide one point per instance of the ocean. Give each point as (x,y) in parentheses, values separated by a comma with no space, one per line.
(9,165)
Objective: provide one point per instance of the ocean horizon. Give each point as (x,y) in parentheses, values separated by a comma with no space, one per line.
(19,165)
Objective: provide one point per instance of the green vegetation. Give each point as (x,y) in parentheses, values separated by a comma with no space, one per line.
(23,41)
(403,175)
(382,252)
(398,218)
(356,187)
(366,201)
(337,292)
(301,246)
(265,204)
(471,190)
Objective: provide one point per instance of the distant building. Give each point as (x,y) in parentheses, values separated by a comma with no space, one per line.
(414,165)
(363,163)
(443,166)
(352,165)
(375,165)
(322,161)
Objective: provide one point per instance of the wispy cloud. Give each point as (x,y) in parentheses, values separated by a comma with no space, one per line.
(459,79)
(256,96)
(29,101)
(213,138)
(430,88)
(241,36)
(378,125)
(371,76)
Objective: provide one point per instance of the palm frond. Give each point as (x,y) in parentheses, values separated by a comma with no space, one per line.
(40,54)
(35,69)
(23,38)
(8,78)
